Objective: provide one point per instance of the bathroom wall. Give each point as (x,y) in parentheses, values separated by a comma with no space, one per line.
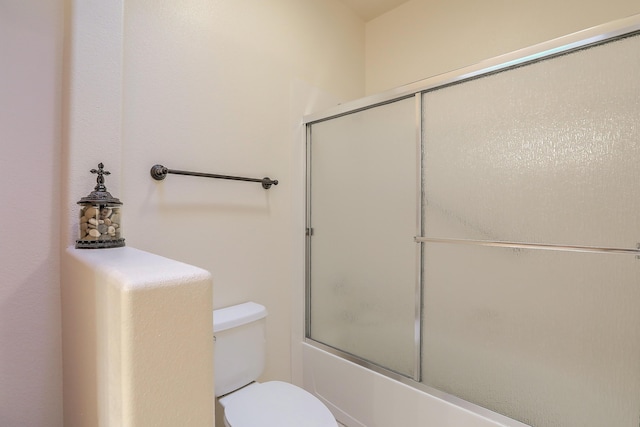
(423,38)
(92,103)
(137,340)
(30,77)
(208,86)
(217,87)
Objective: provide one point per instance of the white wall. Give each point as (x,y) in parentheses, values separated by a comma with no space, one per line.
(221,87)
(137,340)
(92,98)
(30,76)
(207,86)
(424,38)
(217,87)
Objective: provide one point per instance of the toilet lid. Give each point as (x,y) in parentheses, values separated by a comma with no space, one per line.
(277,404)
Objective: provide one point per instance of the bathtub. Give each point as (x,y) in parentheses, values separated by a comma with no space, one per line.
(360,397)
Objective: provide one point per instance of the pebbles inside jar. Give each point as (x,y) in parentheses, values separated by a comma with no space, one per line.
(100,227)
(100,223)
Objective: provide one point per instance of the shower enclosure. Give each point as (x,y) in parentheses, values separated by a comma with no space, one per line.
(477,234)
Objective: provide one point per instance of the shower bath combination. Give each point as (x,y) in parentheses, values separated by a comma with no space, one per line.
(495,265)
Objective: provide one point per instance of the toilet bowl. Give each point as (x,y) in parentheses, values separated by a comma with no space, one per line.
(275,404)
(239,355)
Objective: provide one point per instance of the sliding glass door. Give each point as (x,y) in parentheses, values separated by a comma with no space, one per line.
(363,214)
(532,182)
(481,237)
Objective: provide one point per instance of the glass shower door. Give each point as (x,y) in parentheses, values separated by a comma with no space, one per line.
(363,204)
(521,294)
(532,179)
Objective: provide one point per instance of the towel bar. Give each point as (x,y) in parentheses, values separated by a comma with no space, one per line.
(159,172)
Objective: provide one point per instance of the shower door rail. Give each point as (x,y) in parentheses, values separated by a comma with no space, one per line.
(562,45)
(523,245)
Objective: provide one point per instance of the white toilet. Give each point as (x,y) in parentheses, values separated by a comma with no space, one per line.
(239,356)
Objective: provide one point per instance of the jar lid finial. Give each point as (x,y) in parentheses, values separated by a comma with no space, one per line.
(100,195)
(101,172)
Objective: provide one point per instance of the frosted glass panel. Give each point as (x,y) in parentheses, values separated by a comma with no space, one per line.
(545,153)
(548,338)
(363,213)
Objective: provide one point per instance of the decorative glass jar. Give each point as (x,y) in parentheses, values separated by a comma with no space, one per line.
(100,220)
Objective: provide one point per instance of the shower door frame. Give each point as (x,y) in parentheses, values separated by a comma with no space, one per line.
(576,41)
(417,338)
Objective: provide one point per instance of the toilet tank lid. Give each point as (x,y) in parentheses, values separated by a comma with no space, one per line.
(236,315)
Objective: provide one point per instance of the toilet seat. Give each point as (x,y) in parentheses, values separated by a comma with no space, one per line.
(276,404)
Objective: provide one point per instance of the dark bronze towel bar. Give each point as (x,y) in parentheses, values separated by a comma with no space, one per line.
(159,172)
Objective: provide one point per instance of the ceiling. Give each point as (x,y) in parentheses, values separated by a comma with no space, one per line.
(370,9)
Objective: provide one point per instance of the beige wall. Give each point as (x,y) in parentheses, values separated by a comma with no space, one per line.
(137,344)
(216,87)
(30,77)
(221,87)
(92,103)
(212,86)
(424,38)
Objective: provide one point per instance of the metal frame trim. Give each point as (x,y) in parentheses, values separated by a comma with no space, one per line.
(417,368)
(307,269)
(557,46)
(523,245)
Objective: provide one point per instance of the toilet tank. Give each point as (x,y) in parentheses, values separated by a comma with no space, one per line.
(239,347)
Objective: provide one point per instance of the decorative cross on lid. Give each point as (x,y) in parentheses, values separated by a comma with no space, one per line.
(100,180)
(100,194)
